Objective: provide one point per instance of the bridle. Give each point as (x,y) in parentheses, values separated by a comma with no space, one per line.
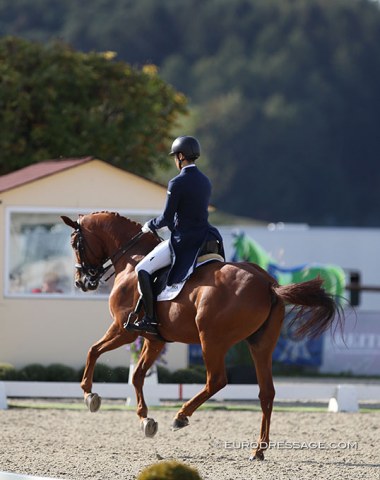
(94,273)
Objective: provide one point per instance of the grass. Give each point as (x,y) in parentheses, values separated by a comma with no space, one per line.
(59,405)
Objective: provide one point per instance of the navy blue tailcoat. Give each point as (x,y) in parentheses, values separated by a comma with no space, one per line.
(186,216)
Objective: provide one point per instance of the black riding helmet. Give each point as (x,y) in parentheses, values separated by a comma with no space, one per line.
(188,146)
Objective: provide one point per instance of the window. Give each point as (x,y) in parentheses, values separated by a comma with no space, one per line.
(39,257)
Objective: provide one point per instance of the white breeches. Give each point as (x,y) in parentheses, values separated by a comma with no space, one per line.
(159,257)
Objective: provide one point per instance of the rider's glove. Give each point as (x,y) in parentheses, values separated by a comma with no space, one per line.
(146,228)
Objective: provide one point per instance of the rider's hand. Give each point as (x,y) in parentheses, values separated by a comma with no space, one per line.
(146,228)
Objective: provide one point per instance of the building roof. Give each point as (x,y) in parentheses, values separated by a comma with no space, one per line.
(37,171)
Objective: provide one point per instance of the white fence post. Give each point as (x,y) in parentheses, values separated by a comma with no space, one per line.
(3,397)
(345,399)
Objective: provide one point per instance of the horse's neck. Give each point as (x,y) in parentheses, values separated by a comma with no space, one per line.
(120,232)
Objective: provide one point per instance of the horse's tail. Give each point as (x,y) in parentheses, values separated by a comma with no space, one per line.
(311,301)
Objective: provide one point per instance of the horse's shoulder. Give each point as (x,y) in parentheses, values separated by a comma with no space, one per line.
(124,283)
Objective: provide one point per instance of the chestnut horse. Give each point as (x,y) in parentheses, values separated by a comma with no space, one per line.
(220,305)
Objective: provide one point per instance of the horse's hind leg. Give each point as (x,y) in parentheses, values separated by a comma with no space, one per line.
(216,380)
(113,338)
(261,345)
(263,362)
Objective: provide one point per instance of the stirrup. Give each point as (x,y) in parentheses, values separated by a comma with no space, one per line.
(142,326)
(134,315)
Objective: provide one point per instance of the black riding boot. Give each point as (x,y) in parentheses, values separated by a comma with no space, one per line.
(149,322)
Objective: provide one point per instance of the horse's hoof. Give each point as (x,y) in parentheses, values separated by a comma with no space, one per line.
(149,427)
(93,402)
(256,456)
(180,423)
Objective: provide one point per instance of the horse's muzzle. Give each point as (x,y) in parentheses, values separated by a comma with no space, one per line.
(85,284)
(79,284)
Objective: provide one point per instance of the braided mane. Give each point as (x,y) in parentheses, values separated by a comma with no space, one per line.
(112,221)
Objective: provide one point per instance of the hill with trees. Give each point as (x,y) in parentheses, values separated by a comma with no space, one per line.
(284,95)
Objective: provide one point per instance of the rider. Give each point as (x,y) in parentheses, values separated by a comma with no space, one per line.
(186,216)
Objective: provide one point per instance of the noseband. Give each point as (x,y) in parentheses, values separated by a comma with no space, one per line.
(94,273)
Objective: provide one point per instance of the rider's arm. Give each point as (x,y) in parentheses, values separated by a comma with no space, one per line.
(172,201)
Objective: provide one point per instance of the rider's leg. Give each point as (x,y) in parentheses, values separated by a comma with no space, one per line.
(158,258)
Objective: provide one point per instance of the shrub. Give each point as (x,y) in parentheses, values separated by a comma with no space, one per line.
(239,355)
(169,470)
(164,375)
(121,374)
(104,373)
(188,375)
(7,372)
(200,368)
(56,372)
(35,372)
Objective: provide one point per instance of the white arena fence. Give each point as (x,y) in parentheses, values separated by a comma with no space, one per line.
(16,476)
(303,391)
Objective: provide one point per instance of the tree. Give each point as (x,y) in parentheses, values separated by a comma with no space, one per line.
(56,102)
(285,92)
(295,138)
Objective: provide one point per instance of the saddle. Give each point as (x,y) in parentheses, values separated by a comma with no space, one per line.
(210,252)
(162,292)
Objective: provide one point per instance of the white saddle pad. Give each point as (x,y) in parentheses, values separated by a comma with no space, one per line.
(170,292)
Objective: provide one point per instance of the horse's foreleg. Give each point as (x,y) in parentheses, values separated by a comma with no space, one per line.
(216,380)
(150,352)
(113,338)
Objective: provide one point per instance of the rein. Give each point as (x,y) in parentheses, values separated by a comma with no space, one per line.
(96,273)
(120,253)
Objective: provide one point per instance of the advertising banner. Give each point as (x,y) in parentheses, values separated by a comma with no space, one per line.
(297,351)
(358,351)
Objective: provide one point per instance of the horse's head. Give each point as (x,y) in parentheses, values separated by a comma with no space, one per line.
(89,256)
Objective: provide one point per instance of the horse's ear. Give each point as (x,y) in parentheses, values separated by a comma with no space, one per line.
(69,222)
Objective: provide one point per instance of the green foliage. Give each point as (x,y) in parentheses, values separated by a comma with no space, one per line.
(105,373)
(193,374)
(7,372)
(285,94)
(188,375)
(57,372)
(239,355)
(298,130)
(169,470)
(240,366)
(120,374)
(56,102)
(164,375)
(33,373)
